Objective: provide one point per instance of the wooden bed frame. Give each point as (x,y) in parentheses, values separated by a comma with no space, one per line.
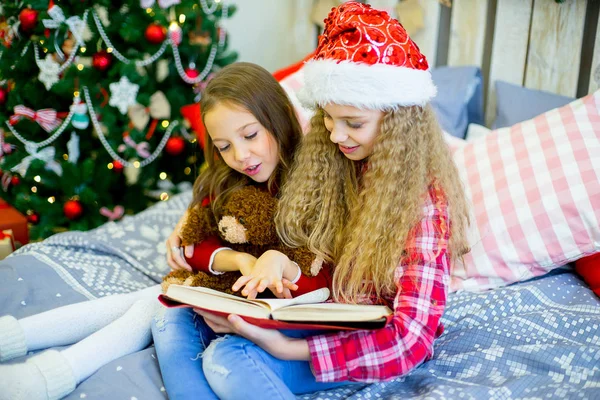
(538,44)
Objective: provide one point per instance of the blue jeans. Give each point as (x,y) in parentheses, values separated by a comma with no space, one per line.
(196,363)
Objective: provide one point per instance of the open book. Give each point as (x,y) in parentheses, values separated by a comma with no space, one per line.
(308,311)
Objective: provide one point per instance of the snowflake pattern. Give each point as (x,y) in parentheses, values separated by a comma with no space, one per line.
(123,94)
(49,70)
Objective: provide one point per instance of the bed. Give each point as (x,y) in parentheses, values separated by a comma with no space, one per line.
(536,339)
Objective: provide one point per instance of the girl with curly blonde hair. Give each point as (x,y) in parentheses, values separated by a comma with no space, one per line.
(373,191)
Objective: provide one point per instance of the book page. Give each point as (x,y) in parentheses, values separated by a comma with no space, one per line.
(316,296)
(332,312)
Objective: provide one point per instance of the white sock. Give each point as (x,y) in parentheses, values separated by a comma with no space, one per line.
(69,324)
(12,339)
(45,376)
(126,335)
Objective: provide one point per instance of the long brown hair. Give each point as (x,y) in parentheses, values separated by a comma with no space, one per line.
(364,231)
(254,89)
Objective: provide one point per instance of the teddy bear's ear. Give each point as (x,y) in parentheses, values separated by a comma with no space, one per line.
(197,227)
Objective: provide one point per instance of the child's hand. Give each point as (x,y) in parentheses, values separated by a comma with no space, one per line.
(268,272)
(175,257)
(271,340)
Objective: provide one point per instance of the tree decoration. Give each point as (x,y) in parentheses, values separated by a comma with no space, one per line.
(192,72)
(3,96)
(102,60)
(123,94)
(155,33)
(28,18)
(175,33)
(49,71)
(80,119)
(33,217)
(175,146)
(73,209)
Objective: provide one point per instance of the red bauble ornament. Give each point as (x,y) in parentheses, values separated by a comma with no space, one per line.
(175,146)
(117,166)
(155,33)
(15,180)
(33,217)
(192,73)
(73,209)
(102,60)
(28,18)
(3,96)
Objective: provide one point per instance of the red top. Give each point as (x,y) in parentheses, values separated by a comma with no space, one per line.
(204,250)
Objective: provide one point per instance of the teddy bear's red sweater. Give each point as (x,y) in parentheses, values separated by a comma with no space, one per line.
(204,250)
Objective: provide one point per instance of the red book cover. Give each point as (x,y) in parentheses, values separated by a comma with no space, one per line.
(275,324)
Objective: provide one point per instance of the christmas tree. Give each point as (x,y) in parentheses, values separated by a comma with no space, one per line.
(96,98)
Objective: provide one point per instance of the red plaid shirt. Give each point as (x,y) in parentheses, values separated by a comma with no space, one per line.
(422,282)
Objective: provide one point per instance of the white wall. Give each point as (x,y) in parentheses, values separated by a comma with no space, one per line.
(271,33)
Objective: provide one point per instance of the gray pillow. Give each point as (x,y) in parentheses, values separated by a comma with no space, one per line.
(459,100)
(516,104)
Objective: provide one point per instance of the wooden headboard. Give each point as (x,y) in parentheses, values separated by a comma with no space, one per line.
(539,44)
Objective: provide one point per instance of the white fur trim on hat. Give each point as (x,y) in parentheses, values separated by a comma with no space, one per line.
(377,86)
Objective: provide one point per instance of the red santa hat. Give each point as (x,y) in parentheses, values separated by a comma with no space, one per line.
(366,59)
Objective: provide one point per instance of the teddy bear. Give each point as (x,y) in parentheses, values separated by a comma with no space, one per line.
(247,225)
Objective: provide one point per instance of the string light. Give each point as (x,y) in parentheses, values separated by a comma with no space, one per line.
(187,170)
(164,196)
(83,49)
(80,67)
(37,178)
(165,123)
(136,164)
(181,18)
(66,157)
(109,50)
(163,176)
(51,199)
(34,189)
(110,165)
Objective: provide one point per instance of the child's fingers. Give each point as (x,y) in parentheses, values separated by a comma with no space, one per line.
(178,257)
(279,286)
(189,251)
(242,280)
(289,285)
(250,286)
(262,285)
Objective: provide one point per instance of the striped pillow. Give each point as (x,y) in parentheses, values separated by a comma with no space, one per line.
(535,192)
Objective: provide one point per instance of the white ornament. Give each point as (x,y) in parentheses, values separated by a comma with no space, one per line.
(162,70)
(49,70)
(175,33)
(161,3)
(73,148)
(75,23)
(46,155)
(102,13)
(132,174)
(123,94)
(80,119)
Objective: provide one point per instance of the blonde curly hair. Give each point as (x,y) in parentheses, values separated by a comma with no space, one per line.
(363,228)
